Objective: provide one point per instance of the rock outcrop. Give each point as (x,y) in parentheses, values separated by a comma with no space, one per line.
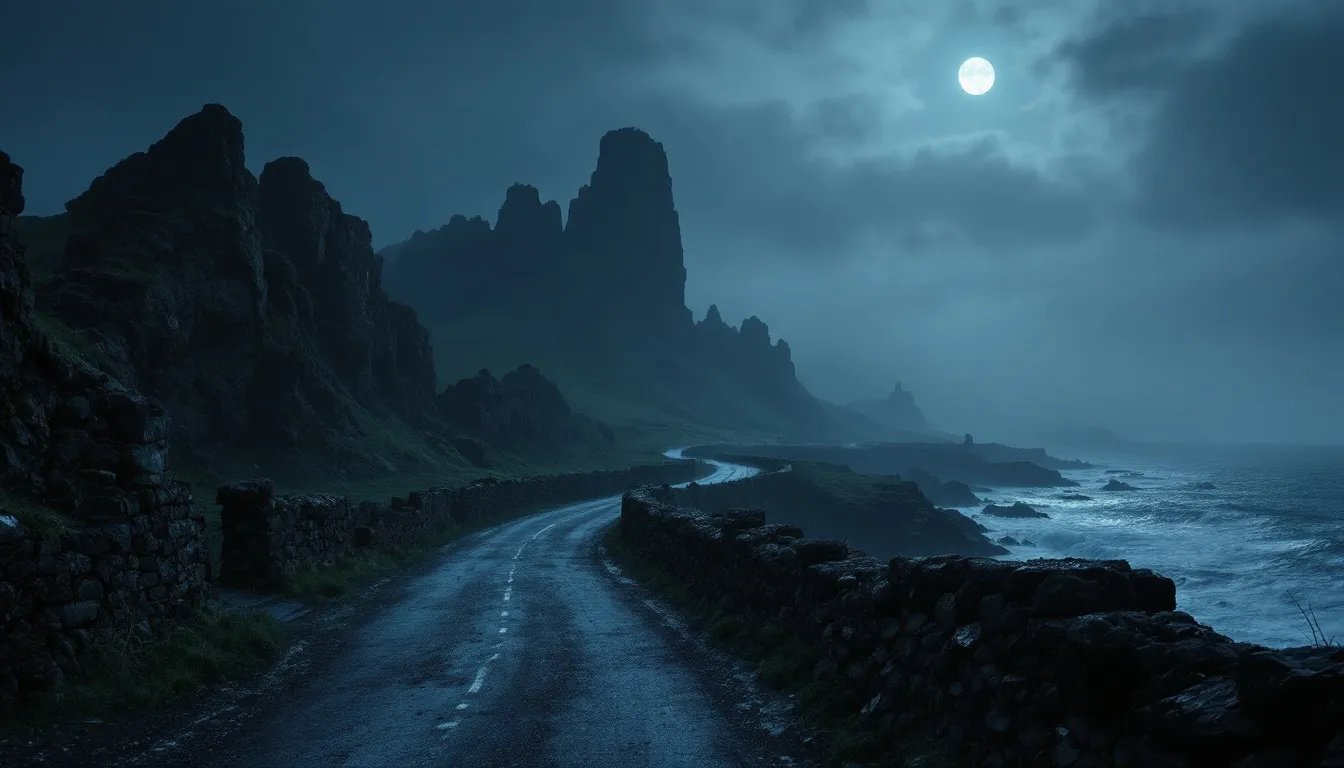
(1020,510)
(948,494)
(521,409)
(95,537)
(885,514)
(607,291)
(163,273)
(252,310)
(377,348)
(897,411)
(624,237)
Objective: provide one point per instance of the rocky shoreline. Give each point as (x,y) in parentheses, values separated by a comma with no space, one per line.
(1046,662)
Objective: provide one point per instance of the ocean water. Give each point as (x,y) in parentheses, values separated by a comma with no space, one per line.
(1272,528)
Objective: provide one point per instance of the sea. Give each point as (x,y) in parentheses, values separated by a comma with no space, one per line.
(1254,556)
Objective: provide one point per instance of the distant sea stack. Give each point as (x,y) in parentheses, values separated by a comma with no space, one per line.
(897,411)
(624,236)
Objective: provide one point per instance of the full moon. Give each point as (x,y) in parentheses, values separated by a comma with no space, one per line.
(976,76)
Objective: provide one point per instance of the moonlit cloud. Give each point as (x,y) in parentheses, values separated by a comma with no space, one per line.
(1139,226)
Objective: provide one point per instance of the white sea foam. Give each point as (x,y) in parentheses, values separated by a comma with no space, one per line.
(1273,526)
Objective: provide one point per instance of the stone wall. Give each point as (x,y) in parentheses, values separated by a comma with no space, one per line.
(269,538)
(135,564)
(1044,662)
(97,543)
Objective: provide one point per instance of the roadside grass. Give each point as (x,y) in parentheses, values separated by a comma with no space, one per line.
(42,521)
(125,674)
(784,662)
(360,569)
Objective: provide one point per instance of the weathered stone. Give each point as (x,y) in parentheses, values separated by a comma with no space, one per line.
(1063,662)
(79,614)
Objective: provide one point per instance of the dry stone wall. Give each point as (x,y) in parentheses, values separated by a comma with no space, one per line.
(1037,663)
(269,538)
(130,565)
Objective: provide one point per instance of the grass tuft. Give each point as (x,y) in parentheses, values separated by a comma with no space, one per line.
(36,518)
(125,674)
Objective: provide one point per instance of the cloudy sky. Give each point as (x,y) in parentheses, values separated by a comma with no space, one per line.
(1141,226)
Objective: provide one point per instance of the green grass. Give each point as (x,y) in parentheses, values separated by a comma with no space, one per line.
(44,522)
(783,661)
(646,416)
(355,571)
(125,675)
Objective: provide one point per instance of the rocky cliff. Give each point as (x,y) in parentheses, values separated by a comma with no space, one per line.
(253,310)
(605,290)
(95,537)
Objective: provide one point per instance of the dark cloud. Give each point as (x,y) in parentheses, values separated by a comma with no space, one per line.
(1150,242)
(1254,134)
(1133,53)
(756,171)
(1244,134)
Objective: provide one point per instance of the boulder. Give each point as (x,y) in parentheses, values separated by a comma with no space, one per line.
(1018,510)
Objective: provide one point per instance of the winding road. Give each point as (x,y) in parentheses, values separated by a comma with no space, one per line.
(521,647)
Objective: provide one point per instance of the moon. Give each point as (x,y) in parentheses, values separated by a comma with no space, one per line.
(976,76)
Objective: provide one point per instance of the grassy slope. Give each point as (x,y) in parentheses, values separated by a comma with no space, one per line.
(645,419)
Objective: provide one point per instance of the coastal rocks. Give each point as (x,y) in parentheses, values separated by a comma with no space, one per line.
(1017,510)
(1116,485)
(1204,486)
(1074,497)
(947,494)
(890,515)
(1043,662)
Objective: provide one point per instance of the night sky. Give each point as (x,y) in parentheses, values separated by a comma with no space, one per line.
(1141,226)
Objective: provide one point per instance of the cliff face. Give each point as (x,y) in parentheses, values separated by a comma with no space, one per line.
(253,311)
(608,287)
(376,347)
(164,268)
(71,438)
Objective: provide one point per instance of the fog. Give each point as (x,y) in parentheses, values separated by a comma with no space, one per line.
(1139,227)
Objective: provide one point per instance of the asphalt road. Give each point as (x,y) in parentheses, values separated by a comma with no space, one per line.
(520,648)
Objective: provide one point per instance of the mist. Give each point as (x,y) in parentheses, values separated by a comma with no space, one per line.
(1139,227)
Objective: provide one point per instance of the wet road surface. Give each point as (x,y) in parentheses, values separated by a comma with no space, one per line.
(520,648)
